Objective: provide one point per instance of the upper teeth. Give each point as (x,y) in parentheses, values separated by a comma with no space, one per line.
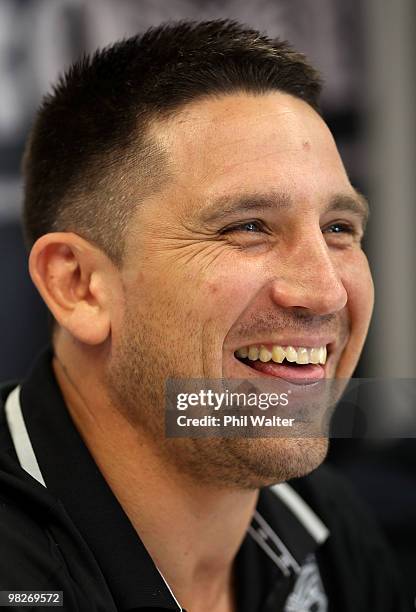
(298,354)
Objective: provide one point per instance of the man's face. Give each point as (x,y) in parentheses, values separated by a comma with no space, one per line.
(254,242)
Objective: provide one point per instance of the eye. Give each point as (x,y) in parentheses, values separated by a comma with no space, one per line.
(343,233)
(340,228)
(250,227)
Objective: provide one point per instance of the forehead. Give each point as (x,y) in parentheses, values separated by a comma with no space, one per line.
(244,141)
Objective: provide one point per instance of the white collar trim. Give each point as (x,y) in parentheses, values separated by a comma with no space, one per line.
(20,436)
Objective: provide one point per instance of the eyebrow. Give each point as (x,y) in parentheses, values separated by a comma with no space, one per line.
(356,204)
(227,205)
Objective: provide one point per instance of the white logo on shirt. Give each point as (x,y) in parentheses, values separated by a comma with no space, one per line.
(308,594)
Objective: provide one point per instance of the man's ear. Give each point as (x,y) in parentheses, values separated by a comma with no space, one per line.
(76,280)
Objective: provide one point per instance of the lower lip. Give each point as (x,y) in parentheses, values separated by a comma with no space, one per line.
(302,375)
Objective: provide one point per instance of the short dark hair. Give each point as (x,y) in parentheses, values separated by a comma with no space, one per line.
(89,158)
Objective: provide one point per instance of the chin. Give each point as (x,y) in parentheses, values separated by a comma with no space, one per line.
(269,462)
(251,463)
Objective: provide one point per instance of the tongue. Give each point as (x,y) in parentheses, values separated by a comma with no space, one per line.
(293,373)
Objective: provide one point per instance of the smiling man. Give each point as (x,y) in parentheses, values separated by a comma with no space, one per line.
(189,216)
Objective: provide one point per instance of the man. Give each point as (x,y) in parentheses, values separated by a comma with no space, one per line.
(186,208)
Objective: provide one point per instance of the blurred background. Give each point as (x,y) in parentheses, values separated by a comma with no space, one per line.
(366,50)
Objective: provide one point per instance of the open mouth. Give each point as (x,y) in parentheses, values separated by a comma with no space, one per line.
(293,363)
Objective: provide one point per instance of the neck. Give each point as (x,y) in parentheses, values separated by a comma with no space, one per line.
(192,531)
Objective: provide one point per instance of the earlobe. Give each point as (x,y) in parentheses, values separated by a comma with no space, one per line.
(69,274)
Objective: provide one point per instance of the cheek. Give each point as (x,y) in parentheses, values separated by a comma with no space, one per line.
(227,293)
(358,283)
(188,298)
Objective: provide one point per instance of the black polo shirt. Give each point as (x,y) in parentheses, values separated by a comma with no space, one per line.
(61,528)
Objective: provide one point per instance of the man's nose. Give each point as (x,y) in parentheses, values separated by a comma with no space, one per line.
(309,279)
